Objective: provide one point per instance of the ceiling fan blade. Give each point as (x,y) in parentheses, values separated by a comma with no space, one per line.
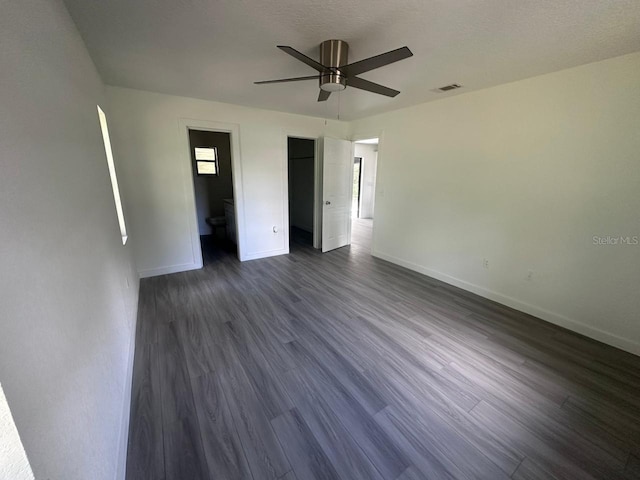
(378,61)
(363,84)
(293,79)
(303,58)
(324,95)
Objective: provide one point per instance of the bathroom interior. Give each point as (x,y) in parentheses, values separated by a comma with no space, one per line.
(213,188)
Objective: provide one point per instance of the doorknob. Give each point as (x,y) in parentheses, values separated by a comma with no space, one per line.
(327,202)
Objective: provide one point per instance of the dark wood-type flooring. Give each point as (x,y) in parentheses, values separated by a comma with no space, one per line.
(340,365)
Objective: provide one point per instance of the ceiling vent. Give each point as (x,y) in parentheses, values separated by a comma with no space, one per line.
(448,88)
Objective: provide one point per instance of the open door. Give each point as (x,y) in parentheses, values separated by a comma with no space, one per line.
(337,191)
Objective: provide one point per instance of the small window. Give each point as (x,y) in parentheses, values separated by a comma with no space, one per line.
(112,174)
(206,160)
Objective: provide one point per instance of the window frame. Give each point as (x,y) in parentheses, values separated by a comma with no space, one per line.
(104,128)
(214,161)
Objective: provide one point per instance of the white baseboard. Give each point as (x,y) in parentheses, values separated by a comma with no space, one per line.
(154,272)
(121,469)
(265,254)
(552,317)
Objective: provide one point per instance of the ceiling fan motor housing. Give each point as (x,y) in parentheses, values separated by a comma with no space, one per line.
(333,54)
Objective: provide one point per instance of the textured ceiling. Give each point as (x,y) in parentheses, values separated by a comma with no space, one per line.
(215,49)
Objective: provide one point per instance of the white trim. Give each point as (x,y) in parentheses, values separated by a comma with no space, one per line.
(121,471)
(551,317)
(305,135)
(186,124)
(154,272)
(317,198)
(266,253)
(351,157)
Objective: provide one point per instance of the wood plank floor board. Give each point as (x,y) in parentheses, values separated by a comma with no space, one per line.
(267,342)
(618,442)
(382,452)
(163,298)
(411,473)
(290,475)
(193,336)
(481,345)
(477,370)
(457,420)
(554,453)
(145,457)
(265,381)
(335,439)
(177,396)
(632,469)
(438,439)
(147,324)
(424,461)
(353,346)
(613,357)
(426,385)
(223,449)
(262,449)
(529,470)
(608,417)
(493,446)
(346,374)
(582,384)
(545,418)
(411,362)
(342,365)
(303,451)
(183,452)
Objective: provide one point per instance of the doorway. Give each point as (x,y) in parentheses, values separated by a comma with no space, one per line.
(365,167)
(301,166)
(214,194)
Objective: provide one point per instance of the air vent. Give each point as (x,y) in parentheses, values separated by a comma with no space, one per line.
(447,88)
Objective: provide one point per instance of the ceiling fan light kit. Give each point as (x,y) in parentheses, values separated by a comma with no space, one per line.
(333,54)
(335,73)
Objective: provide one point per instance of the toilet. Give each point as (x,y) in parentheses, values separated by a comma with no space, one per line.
(217,222)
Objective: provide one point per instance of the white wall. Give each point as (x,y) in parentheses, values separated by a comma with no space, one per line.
(14,464)
(301,183)
(524,175)
(66,312)
(369,165)
(149,140)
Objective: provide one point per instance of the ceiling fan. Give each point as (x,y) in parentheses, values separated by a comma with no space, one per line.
(335,74)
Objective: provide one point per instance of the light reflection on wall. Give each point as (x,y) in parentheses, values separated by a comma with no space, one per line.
(14,464)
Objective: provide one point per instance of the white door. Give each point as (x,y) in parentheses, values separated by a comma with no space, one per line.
(337,190)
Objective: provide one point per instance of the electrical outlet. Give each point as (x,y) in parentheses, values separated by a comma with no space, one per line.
(530,275)
(485,263)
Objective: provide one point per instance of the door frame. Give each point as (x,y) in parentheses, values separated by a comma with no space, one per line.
(317,184)
(364,135)
(358,160)
(233,129)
